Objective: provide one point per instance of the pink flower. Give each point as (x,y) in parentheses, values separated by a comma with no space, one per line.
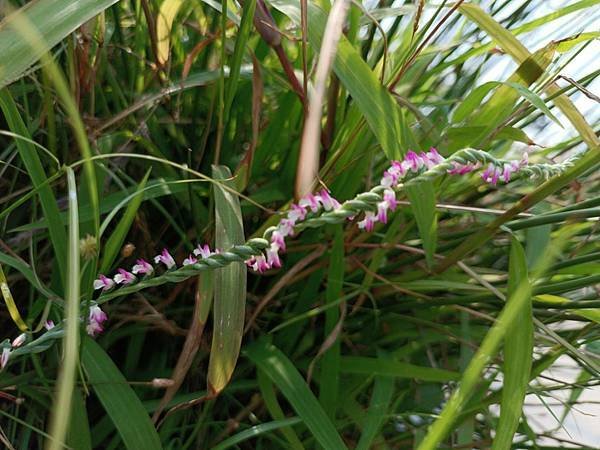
(191,259)
(434,156)
(311,201)
(124,277)
(19,340)
(491,174)
(296,213)
(103,283)
(382,208)
(277,239)
(4,358)
(389,196)
(258,263)
(414,161)
(328,201)
(273,257)
(286,227)
(203,251)
(368,223)
(48,325)
(461,169)
(165,258)
(142,267)
(96,318)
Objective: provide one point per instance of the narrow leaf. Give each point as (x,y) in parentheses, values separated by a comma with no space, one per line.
(118,399)
(518,351)
(286,377)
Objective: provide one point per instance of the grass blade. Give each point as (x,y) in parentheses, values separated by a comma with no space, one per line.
(256,430)
(518,351)
(116,239)
(229,287)
(381,398)
(67,373)
(286,377)
(33,164)
(54,19)
(374,101)
(164,22)
(383,367)
(330,365)
(118,399)
(422,203)
(519,300)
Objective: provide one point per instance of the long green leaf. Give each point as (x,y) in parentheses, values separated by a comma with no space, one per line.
(519,300)
(54,20)
(374,101)
(518,352)
(330,365)
(33,164)
(67,373)
(381,398)
(385,367)
(118,399)
(519,52)
(286,377)
(230,286)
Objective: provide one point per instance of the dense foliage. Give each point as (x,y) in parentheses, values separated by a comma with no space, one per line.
(171,279)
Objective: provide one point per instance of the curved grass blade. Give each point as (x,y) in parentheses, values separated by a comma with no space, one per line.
(229,286)
(286,377)
(118,399)
(255,431)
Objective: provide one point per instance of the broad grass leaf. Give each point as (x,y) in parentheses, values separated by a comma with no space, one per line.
(120,402)
(53,19)
(518,353)
(288,380)
(229,287)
